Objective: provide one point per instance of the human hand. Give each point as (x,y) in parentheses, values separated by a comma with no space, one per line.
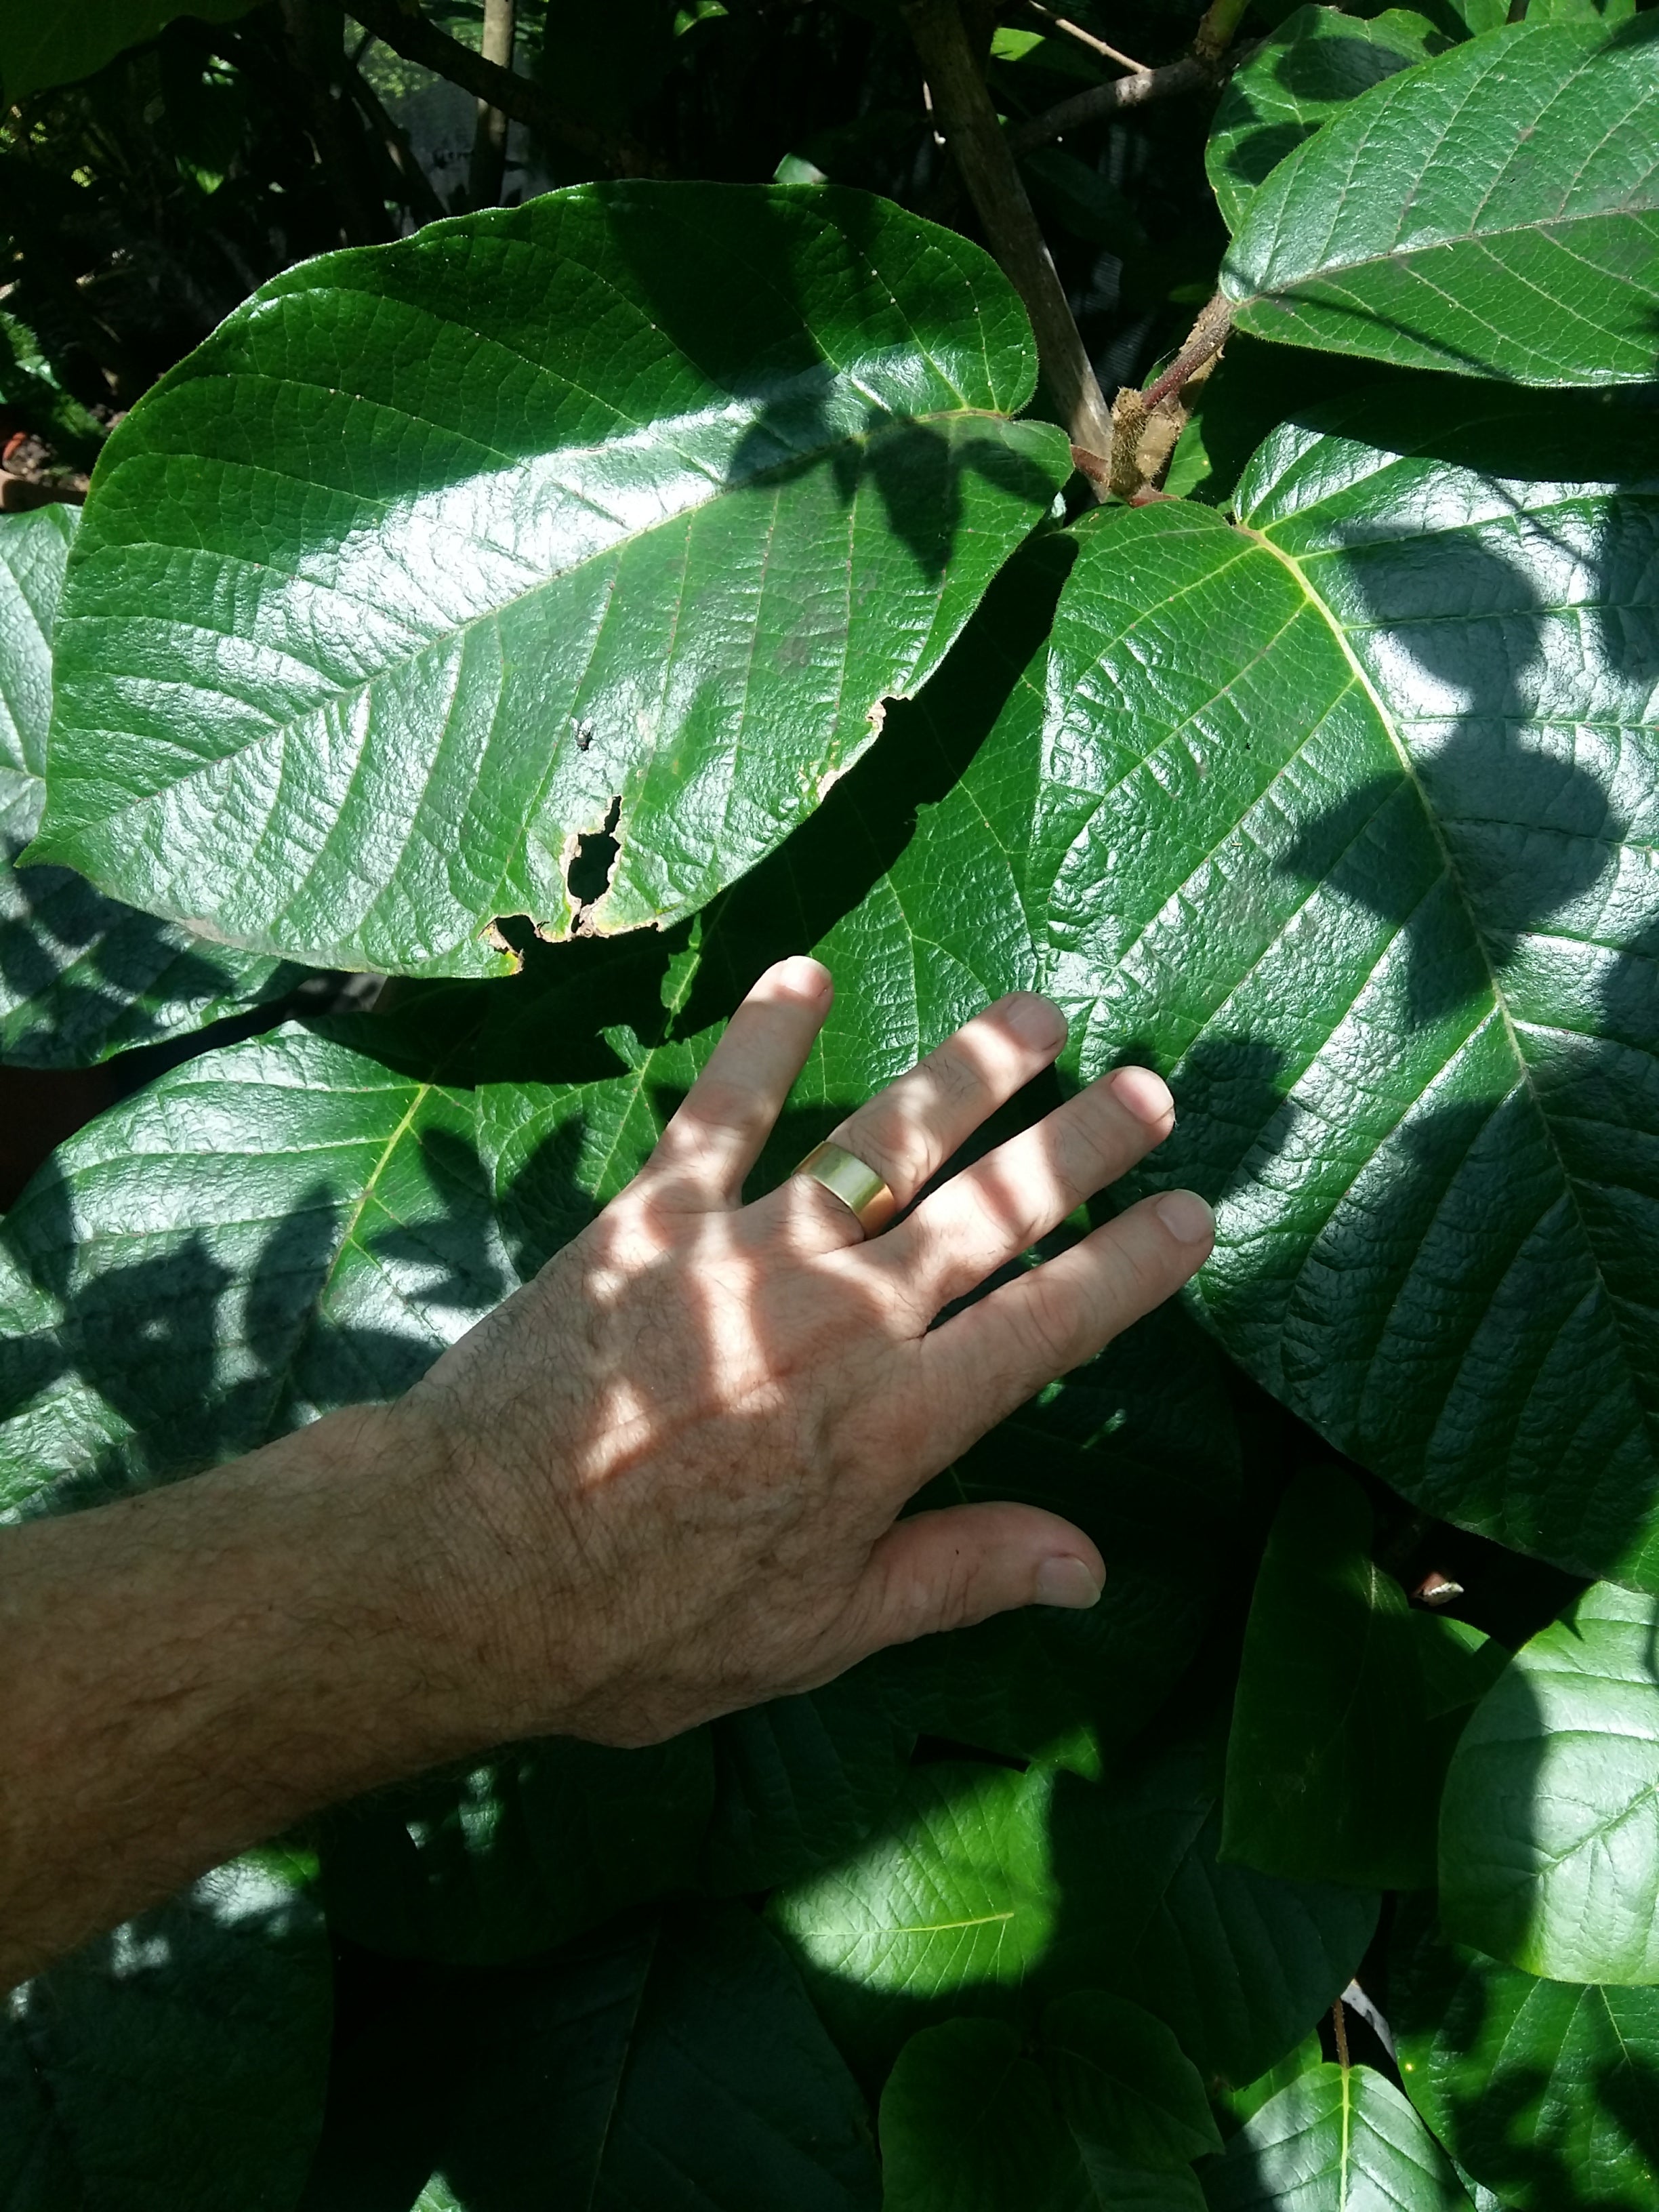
(672,1464)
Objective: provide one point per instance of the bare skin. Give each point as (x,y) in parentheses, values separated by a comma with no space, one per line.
(659,1483)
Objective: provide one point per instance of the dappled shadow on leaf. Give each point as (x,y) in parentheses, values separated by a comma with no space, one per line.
(1323,69)
(808,406)
(80,973)
(197,2033)
(1536,2089)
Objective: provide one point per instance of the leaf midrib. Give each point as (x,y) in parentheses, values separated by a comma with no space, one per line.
(1408,768)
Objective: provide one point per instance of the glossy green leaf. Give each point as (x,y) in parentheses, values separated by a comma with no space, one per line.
(952,1907)
(80,976)
(671,2062)
(550,523)
(1495,212)
(1549,1842)
(41,47)
(1331,1771)
(1341,2135)
(534,1846)
(1547,2092)
(1316,61)
(1345,825)
(177,2064)
(1239,1965)
(971,2122)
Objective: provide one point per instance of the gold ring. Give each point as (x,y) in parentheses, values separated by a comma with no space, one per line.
(855,1182)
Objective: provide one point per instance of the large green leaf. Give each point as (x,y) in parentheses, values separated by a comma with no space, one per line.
(1549,1829)
(1239,1964)
(673,2063)
(41,47)
(969,2123)
(1345,823)
(1316,61)
(80,976)
(623,513)
(1341,2135)
(177,2064)
(1546,2092)
(1331,1768)
(1494,211)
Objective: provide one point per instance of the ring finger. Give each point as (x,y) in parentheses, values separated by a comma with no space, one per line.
(907,1132)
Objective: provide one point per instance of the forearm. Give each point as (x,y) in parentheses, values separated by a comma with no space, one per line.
(187,1672)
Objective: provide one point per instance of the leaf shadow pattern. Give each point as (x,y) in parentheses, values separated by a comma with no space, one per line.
(193,2039)
(1546,2092)
(230,1332)
(81,973)
(808,406)
(1324,70)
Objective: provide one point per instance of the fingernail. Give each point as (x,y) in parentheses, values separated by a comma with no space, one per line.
(1067,1582)
(1186,1217)
(1037,1020)
(802,976)
(1144,1094)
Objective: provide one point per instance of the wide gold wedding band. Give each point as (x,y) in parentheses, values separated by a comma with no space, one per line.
(855,1182)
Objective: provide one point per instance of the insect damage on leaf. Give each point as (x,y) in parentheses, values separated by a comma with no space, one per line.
(591,859)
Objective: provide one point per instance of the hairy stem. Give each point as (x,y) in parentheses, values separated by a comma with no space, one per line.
(1205,340)
(967,121)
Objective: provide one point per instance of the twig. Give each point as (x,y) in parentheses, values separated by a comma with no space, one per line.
(488,166)
(963,111)
(1339,2028)
(419,40)
(1189,74)
(1087,39)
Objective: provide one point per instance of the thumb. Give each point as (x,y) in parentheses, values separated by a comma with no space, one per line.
(948,1570)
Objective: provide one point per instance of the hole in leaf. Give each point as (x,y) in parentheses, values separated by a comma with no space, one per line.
(589,872)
